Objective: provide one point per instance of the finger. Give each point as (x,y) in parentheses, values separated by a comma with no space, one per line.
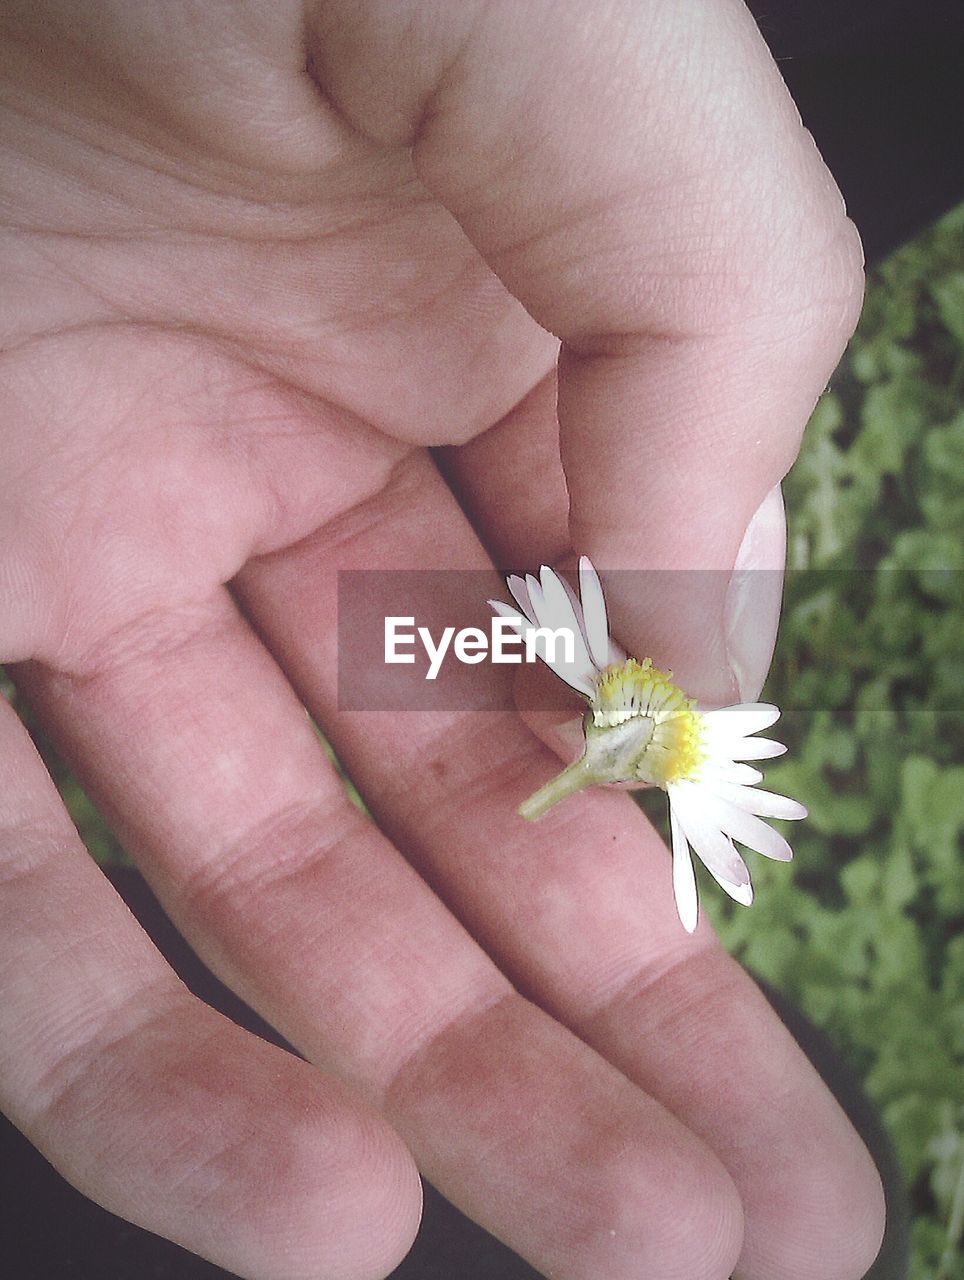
(197,749)
(510,482)
(643,184)
(154,1105)
(578,909)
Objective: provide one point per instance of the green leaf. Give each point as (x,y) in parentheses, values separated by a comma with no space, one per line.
(949,296)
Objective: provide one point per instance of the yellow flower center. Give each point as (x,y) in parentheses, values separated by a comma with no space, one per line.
(638,690)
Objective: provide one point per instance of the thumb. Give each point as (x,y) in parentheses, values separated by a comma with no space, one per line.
(640,180)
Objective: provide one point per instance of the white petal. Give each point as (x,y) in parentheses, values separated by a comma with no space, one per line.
(743,719)
(741,893)
(557,609)
(556,612)
(520,595)
(574,601)
(594,612)
(728,771)
(564,670)
(507,611)
(749,749)
(766,804)
(581,619)
(684,878)
(615,653)
(579,675)
(714,848)
(739,824)
(534,592)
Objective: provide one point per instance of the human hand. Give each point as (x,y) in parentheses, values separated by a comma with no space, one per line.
(241,300)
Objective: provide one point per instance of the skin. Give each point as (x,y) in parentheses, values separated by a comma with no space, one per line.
(241,299)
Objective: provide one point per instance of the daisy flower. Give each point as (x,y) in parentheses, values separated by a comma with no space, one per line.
(642,729)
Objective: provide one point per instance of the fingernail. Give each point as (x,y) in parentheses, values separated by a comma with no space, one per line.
(754,596)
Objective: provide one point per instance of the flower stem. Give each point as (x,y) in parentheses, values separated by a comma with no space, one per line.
(572,779)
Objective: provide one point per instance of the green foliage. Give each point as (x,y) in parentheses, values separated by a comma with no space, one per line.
(863,929)
(94,832)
